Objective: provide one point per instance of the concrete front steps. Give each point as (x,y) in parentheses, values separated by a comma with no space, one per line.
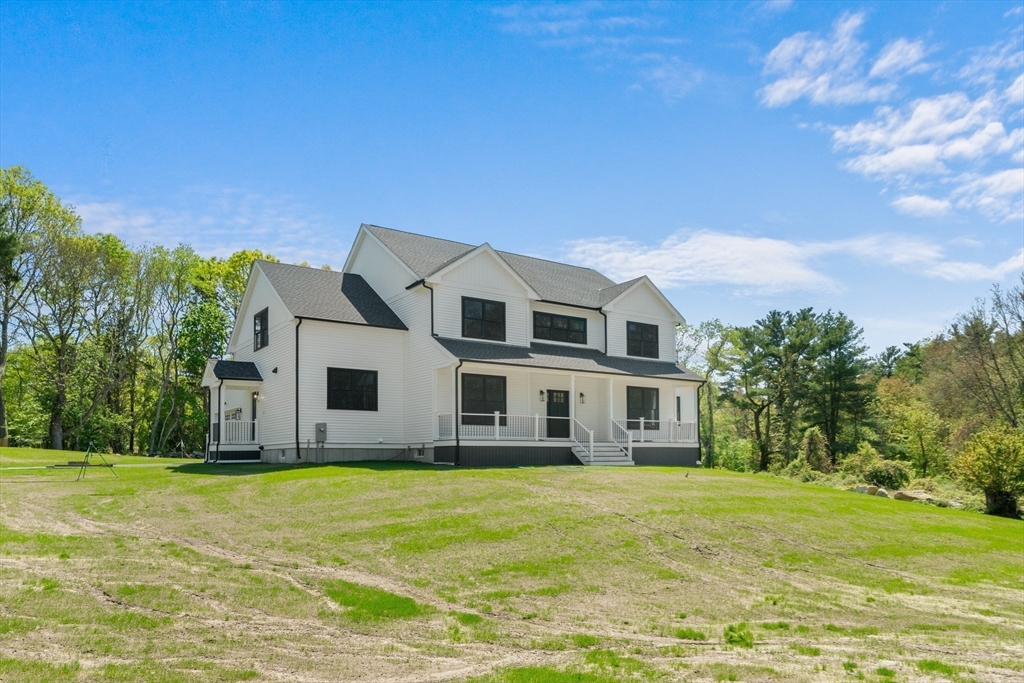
(604,454)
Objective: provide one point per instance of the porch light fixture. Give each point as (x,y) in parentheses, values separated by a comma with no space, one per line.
(541,395)
(583,398)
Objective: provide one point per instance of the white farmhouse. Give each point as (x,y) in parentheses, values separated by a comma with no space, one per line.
(431,350)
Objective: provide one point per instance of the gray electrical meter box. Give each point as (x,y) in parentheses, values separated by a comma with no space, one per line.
(321,432)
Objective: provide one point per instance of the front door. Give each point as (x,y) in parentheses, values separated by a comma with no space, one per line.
(558,414)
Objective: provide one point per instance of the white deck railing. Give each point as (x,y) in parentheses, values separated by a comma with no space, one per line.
(502,427)
(657,431)
(237,431)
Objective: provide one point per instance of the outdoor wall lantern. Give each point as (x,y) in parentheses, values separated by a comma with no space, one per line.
(541,395)
(583,398)
(274,371)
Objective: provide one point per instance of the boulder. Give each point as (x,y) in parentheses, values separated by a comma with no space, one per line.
(882,493)
(915,494)
(860,489)
(872,490)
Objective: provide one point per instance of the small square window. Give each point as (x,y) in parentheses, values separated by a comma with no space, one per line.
(641,340)
(482,319)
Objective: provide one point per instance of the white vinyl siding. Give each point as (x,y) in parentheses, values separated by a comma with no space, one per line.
(617,334)
(323,345)
(380,269)
(448,312)
(262,296)
(595,323)
(276,410)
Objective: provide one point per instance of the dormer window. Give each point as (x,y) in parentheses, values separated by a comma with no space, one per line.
(260,330)
(483,319)
(641,340)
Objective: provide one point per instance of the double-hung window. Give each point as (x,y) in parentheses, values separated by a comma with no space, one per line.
(260,330)
(483,319)
(641,340)
(560,328)
(641,402)
(351,389)
(482,395)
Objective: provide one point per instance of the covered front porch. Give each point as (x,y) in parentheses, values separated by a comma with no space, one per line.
(234,426)
(600,418)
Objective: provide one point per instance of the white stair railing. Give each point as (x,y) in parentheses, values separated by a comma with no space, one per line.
(623,438)
(584,438)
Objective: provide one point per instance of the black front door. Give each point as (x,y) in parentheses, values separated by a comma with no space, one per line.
(558,407)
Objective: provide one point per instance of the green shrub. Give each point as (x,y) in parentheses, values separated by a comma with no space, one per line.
(739,635)
(992,461)
(889,474)
(690,634)
(858,463)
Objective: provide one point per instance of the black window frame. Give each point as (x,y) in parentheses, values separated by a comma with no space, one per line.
(634,412)
(483,407)
(261,329)
(485,325)
(352,398)
(638,341)
(553,330)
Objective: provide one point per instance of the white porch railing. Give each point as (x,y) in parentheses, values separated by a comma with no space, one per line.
(657,431)
(584,438)
(237,431)
(502,427)
(623,438)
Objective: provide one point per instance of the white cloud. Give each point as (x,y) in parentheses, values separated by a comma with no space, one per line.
(1000,195)
(830,70)
(922,206)
(220,222)
(899,56)
(672,77)
(769,265)
(987,64)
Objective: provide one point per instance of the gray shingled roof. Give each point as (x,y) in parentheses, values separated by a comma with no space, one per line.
(234,369)
(580,359)
(557,282)
(327,295)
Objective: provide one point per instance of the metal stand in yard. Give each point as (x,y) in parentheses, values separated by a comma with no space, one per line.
(89,452)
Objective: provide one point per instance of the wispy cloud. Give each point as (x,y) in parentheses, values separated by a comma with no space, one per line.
(217,222)
(625,35)
(832,69)
(958,150)
(768,265)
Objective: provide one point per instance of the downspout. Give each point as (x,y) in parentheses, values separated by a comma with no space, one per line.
(700,454)
(298,452)
(458,451)
(220,417)
(605,316)
(424,283)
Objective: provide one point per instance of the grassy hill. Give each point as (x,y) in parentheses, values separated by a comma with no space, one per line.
(179,571)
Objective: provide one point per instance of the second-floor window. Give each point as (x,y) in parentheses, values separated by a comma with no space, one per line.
(641,340)
(260,330)
(482,319)
(560,328)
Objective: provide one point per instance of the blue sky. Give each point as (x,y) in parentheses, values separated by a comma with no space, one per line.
(866,157)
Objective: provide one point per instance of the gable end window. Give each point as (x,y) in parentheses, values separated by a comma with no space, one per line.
(641,340)
(351,389)
(560,328)
(482,319)
(260,330)
(642,402)
(482,395)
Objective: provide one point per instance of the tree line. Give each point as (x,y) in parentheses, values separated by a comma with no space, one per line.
(102,342)
(796,393)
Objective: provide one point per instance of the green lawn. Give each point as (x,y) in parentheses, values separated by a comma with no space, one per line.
(179,571)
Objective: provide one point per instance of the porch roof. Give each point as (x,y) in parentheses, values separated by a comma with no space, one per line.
(557,357)
(233,369)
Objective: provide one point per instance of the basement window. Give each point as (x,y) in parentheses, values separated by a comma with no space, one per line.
(260,330)
(351,389)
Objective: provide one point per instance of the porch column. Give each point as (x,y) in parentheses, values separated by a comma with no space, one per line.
(611,407)
(572,401)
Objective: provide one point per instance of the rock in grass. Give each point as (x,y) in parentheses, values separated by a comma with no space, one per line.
(872,490)
(861,489)
(882,493)
(915,494)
